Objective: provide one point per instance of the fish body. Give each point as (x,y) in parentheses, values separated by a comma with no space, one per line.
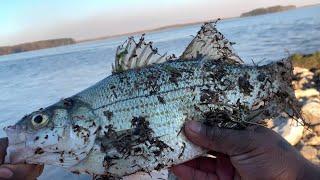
(132,120)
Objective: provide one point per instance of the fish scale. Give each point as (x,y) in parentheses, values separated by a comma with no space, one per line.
(165,120)
(133,120)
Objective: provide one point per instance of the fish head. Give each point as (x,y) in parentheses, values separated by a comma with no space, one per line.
(62,134)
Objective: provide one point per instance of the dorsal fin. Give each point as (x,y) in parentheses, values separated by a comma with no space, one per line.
(133,55)
(211,45)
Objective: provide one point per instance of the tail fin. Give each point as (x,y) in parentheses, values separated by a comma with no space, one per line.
(283,72)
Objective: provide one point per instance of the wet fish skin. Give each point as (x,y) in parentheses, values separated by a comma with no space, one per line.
(145,116)
(132,121)
(63,140)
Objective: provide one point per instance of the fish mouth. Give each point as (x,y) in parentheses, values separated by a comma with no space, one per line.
(21,151)
(18,153)
(15,134)
(17,150)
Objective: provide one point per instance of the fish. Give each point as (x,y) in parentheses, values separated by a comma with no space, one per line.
(132,121)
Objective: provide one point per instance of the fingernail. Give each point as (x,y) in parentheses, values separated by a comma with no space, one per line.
(5,173)
(194,126)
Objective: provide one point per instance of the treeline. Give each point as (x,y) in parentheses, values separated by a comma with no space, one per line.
(272,9)
(35,45)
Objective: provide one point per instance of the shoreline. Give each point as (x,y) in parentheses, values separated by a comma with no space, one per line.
(174,26)
(161,28)
(157,29)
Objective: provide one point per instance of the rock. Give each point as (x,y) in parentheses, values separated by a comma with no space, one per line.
(307,90)
(311,112)
(316,161)
(314,141)
(309,152)
(302,78)
(316,129)
(308,93)
(307,135)
(290,129)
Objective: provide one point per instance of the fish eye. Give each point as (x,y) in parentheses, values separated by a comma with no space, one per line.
(39,120)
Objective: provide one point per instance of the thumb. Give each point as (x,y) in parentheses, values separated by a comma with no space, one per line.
(3,147)
(5,173)
(227,141)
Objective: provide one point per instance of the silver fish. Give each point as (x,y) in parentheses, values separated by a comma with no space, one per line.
(132,120)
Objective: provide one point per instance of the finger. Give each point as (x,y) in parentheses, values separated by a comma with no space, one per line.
(24,171)
(203,164)
(225,169)
(3,148)
(188,173)
(5,173)
(225,141)
(221,165)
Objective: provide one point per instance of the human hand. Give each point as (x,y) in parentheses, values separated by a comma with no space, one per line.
(256,153)
(16,172)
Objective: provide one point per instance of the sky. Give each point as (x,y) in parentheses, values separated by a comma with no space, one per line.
(31,20)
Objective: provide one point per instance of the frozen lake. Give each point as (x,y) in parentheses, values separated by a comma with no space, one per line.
(39,78)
